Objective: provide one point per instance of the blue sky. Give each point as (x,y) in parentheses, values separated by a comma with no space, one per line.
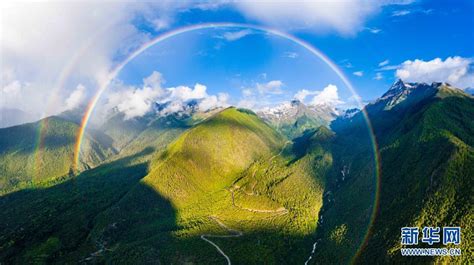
(235,66)
(372,42)
(422,30)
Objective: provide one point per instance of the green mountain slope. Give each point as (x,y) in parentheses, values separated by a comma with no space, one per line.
(228,171)
(427,158)
(231,173)
(300,125)
(124,131)
(50,224)
(157,135)
(150,131)
(24,162)
(209,156)
(440,138)
(181,188)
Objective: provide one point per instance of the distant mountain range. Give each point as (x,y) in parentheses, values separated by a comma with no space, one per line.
(290,184)
(293,118)
(10,117)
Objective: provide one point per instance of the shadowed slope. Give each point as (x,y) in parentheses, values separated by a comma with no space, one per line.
(53,225)
(425,137)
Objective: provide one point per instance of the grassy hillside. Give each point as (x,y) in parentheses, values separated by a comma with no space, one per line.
(24,163)
(157,135)
(229,168)
(151,131)
(50,224)
(427,163)
(124,131)
(180,186)
(210,155)
(434,175)
(300,125)
(230,174)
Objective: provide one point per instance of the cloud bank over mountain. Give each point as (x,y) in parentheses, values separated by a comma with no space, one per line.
(137,101)
(457,71)
(327,96)
(49,49)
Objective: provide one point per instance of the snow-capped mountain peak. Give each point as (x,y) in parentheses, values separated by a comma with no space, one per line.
(399,92)
(294,117)
(349,113)
(397,88)
(290,111)
(296,103)
(402,91)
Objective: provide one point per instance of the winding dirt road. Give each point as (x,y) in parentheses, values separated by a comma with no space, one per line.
(281,210)
(235,233)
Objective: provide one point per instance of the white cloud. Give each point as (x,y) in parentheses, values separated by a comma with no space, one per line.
(412,11)
(161,15)
(373,30)
(10,93)
(400,13)
(16,94)
(184,93)
(345,17)
(455,70)
(345,63)
(354,101)
(211,102)
(302,94)
(378,76)
(76,98)
(427,11)
(235,35)
(358,73)
(136,102)
(291,55)
(388,67)
(328,96)
(384,63)
(13,88)
(76,41)
(262,95)
(247,103)
(155,80)
(161,23)
(247,92)
(85,38)
(272,87)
